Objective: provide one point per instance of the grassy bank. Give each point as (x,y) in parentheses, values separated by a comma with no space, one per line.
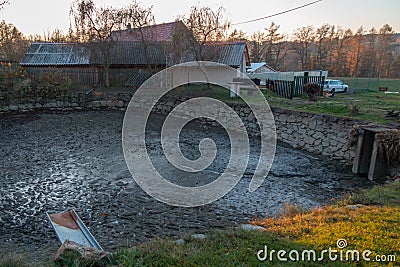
(369,105)
(374,226)
(368,220)
(363,104)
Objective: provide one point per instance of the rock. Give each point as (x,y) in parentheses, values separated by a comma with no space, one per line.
(180,242)
(22,107)
(251,227)
(285,136)
(13,107)
(50,105)
(199,236)
(291,119)
(5,108)
(88,254)
(313,124)
(120,104)
(96,104)
(354,207)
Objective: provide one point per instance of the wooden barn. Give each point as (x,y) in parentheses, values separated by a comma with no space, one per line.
(78,63)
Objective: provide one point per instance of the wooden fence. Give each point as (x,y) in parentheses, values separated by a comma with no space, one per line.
(77,76)
(93,76)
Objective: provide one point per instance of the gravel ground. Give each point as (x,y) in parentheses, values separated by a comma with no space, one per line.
(56,161)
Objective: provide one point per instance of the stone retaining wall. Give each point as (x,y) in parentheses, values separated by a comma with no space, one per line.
(70,101)
(318,134)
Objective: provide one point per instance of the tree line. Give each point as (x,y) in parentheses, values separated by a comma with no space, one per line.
(373,53)
(344,53)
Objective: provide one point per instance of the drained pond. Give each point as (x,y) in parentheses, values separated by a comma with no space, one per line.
(58,161)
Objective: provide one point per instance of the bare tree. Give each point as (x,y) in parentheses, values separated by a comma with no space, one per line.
(13,44)
(138,17)
(55,36)
(236,36)
(303,39)
(269,46)
(369,59)
(275,50)
(2,4)
(354,57)
(207,25)
(94,27)
(257,47)
(394,68)
(384,56)
(323,43)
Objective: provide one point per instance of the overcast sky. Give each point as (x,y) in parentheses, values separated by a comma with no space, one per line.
(39,16)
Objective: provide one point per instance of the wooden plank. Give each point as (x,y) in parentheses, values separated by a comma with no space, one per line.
(378,167)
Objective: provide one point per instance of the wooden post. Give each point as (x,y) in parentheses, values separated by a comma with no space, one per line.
(378,167)
(292,88)
(367,160)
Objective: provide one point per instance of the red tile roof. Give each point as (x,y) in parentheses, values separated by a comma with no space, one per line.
(157,33)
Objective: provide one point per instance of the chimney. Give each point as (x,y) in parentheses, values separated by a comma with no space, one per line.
(129,26)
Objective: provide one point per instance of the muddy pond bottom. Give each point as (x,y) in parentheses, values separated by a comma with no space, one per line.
(57,161)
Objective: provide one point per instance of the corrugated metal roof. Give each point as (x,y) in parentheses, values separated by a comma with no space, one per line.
(128,53)
(232,54)
(55,54)
(67,54)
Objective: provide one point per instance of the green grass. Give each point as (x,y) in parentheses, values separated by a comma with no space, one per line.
(381,195)
(371,83)
(221,248)
(371,105)
(11,260)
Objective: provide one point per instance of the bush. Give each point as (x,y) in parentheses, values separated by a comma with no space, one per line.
(312,90)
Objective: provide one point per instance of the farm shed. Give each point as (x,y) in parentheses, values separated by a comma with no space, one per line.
(84,67)
(259,67)
(133,59)
(71,59)
(233,54)
(175,36)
